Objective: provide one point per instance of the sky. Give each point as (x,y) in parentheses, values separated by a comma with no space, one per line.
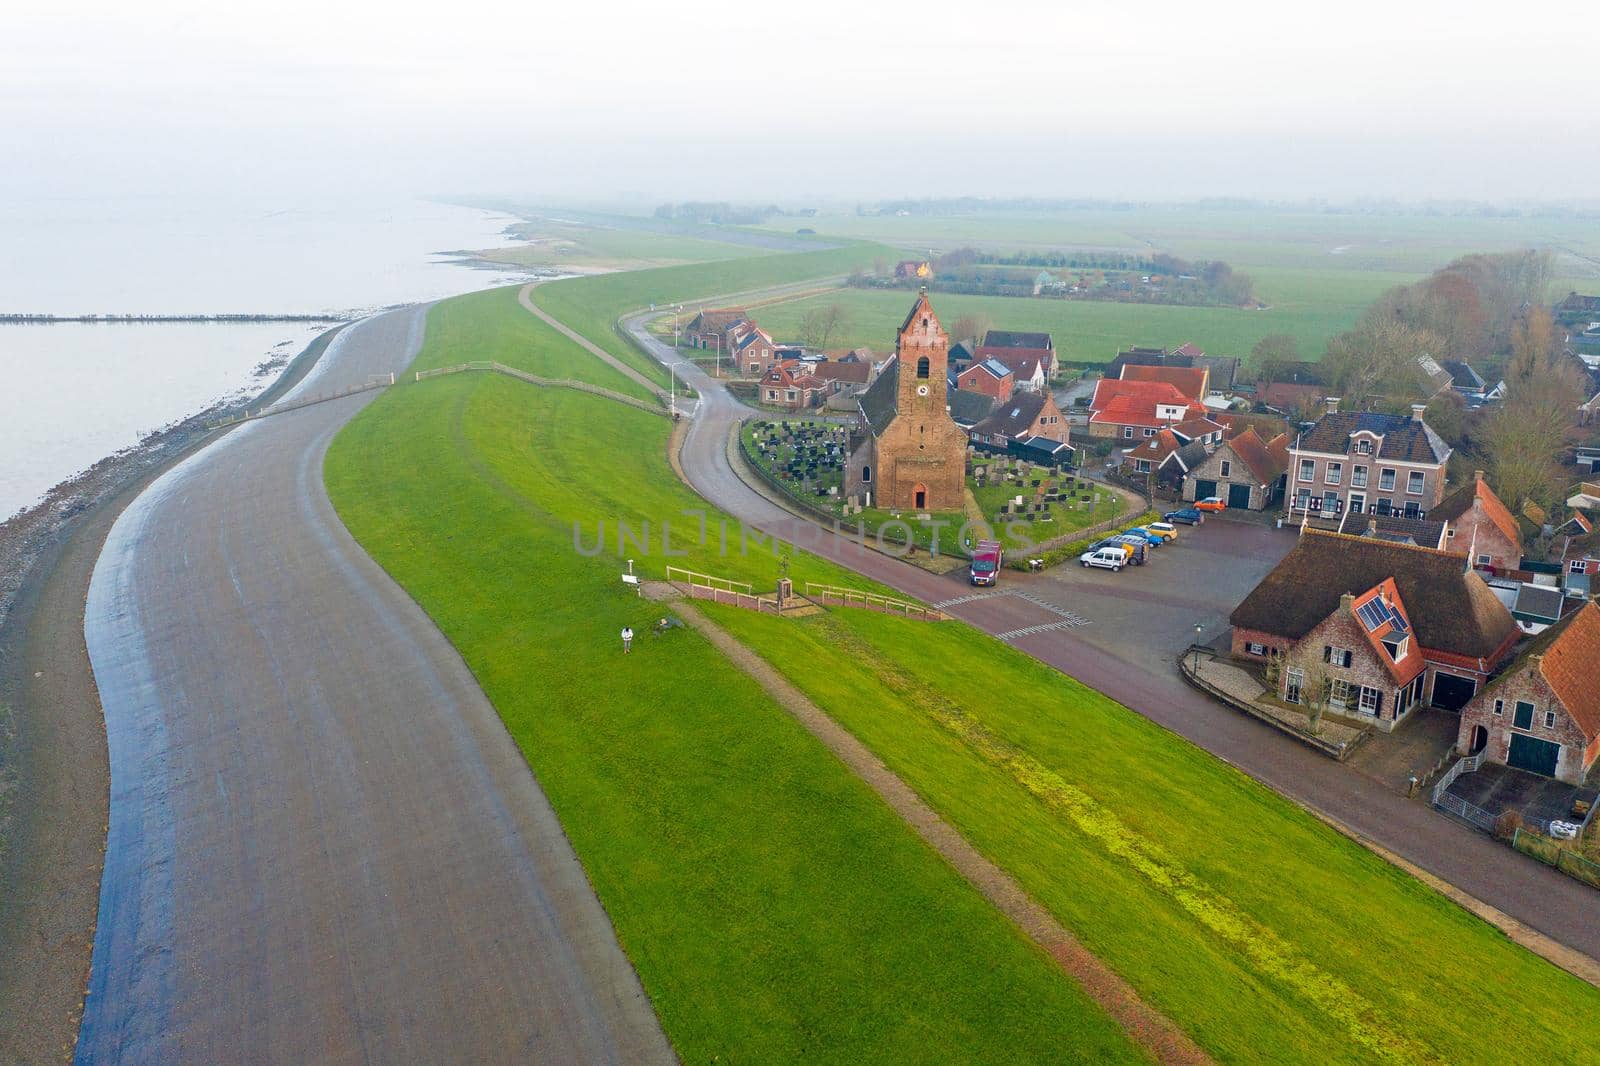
(603,102)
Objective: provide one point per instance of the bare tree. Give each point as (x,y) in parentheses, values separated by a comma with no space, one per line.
(820,325)
(1271,355)
(971,327)
(1524,439)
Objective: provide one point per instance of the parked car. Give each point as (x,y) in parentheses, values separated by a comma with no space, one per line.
(1153,539)
(1211,503)
(1107,558)
(1111,542)
(987,560)
(1166,529)
(1187,515)
(1137,546)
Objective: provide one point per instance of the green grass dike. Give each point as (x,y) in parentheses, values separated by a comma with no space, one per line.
(1262,932)
(774,907)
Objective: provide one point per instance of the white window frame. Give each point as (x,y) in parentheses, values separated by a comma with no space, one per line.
(1334,474)
(1386,479)
(1308,470)
(1419,478)
(1367,702)
(1293,681)
(1576,566)
(1227,468)
(1500,708)
(1127,432)
(1358,477)
(1549,719)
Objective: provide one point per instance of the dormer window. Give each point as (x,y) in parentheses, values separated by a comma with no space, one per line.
(1363,447)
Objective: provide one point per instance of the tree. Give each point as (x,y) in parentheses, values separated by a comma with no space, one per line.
(820,325)
(971,327)
(1524,439)
(1272,354)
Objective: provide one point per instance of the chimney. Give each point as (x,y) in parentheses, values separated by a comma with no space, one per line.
(1477,476)
(1417,411)
(1333,404)
(1372,527)
(1347,603)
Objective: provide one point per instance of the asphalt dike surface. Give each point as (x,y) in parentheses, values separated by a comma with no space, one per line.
(323,845)
(1537,896)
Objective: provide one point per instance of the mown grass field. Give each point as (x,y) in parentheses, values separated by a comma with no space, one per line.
(1266,935)
(592,305)
(1311,306)
(775,909)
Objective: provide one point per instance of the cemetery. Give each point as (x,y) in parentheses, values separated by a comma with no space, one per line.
(1024,503)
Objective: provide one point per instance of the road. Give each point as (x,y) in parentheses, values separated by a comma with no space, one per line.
(323,845)
(1141,674)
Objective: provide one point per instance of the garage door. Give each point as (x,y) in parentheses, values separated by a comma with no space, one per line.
(1532,754)
(1202,489)
(1451,692)
(1239,497)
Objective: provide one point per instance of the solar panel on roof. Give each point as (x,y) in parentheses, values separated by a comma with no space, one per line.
(1373,614)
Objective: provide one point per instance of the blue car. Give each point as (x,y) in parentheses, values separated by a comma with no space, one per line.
(1188,516)
(1148,536)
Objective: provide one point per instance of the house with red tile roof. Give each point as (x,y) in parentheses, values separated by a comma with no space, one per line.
(989,376)
(1136,410)
(1542,714)
(1193,382)
(791,384)
(1027,367)
(1166,455)
(1480,525)
(1005,342)
(1245,472)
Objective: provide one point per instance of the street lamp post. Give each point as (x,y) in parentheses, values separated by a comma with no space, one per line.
(1199,631)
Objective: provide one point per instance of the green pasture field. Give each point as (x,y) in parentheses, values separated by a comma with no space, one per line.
(1266,935)
(774,907)
(592,305)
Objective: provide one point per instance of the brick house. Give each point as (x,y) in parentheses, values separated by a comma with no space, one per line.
(753,350)
(1460,627)
(841,378)
(1004,342)
(1136,410)
(1480,525)
(791,384)
(907,451)
(1192,382)
(1245,472)
(1026,415)
(1027,368)
(706,329)
(1367,461)
(990,377)
(1543,713)
(1167,455)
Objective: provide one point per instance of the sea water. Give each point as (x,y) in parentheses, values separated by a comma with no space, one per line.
(71,393)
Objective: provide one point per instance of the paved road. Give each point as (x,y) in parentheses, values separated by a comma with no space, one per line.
(1143,676)
(323,847)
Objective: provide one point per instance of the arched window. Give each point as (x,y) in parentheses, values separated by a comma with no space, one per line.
(922,367)
(924,323)
(866,474)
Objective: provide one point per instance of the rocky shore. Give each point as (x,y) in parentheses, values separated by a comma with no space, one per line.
(54,781)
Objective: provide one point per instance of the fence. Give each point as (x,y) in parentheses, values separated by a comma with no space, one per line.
(722,590)
(838,596)
(1470,813)
(549,383)
(1465,765)
(1551,853)
(382,381)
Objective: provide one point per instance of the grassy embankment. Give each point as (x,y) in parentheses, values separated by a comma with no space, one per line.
(774,907)
(592,305)
(1268,936)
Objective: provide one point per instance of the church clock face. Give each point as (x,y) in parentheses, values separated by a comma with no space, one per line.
(922,390)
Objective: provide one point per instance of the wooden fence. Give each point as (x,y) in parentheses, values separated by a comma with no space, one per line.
(839,596)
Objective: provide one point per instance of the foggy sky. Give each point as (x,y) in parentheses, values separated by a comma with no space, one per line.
(746,101)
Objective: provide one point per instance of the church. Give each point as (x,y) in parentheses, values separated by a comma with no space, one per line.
(907,453)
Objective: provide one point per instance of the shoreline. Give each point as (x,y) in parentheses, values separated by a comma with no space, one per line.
(54,777)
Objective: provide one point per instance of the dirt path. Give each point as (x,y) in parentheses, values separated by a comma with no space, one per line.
(525,296)
(1142,1022)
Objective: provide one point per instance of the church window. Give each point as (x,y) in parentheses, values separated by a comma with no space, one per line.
(866,474)
(922,367)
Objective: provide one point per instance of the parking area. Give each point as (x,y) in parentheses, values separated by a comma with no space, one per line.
(1149,613)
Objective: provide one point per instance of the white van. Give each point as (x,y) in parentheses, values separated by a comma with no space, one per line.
(1109,558)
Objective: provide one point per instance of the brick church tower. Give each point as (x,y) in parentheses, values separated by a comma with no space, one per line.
(922,452)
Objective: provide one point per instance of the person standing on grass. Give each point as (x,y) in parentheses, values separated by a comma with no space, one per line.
(627,639)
